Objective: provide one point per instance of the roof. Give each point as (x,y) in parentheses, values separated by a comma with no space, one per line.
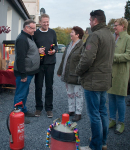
(8,42)
(20,7)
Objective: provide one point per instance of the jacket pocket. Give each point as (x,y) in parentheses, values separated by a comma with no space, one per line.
(101,81)
(122,68)
(72,79)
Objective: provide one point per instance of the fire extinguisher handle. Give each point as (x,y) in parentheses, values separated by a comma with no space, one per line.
(11,139)
(18,104)
(7,123)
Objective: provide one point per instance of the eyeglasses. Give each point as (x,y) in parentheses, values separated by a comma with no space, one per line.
(115,25)
(31,28)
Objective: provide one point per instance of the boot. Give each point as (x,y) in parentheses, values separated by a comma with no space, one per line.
(76,118)
(71,113)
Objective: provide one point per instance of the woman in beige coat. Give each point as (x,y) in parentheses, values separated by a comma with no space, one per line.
(120,74)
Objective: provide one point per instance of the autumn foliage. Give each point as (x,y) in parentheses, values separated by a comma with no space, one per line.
(63,35)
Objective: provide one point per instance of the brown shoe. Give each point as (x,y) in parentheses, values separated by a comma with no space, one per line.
(76,117)
(49,114)
(37,113)
(71,113)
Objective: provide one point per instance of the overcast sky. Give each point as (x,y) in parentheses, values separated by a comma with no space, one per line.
(68,13)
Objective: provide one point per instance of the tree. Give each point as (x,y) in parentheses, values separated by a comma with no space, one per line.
(111,25)
(127,15)
(63,35)
(127,11)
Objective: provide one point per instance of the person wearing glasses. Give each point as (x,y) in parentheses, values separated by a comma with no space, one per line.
(66,70)
(44,37)
(27,61)
(120,75)
(95,71)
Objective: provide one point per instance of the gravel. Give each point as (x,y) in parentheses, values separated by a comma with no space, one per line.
(35,132)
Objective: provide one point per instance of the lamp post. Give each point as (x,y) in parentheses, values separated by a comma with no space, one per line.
(42,11)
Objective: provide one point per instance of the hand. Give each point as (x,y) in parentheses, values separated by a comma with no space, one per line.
(59,75)
(41,50)
(24,80)
(51,52)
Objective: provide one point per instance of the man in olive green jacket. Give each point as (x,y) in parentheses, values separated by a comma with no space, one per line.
(95,69)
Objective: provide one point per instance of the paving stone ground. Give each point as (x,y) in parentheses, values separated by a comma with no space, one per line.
(35,132)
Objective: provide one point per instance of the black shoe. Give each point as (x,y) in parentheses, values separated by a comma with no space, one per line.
(71,113)
(26,121)
(76,118)
(28,114)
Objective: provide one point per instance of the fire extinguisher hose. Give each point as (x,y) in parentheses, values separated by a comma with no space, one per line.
(10,135)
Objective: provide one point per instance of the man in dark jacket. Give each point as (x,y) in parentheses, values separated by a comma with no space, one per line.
(44,37)
(95,69)
(27,61)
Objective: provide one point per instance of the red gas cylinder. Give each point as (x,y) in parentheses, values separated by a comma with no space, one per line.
(16,129)
(62,137)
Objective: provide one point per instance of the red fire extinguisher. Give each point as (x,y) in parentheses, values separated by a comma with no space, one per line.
(16,128)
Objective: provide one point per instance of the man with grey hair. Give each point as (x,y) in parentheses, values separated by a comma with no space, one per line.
(27,61)
(44,37)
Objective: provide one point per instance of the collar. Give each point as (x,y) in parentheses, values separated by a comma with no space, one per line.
(99,26)
(122,34)
(28,35)
(43,31)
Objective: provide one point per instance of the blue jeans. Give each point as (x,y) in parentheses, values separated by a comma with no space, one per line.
(22,90)
(97,112)
(117,102)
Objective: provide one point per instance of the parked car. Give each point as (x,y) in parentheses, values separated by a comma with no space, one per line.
(61,48)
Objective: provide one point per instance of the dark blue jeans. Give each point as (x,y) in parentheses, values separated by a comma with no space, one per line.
(22,90)
(97,112)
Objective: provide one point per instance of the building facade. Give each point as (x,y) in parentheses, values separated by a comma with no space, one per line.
(13,14)
(33,9)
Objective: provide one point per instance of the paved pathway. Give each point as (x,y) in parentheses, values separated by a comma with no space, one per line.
(35,132)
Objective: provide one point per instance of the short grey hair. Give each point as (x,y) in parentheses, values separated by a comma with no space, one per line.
(27,22)
(44,16)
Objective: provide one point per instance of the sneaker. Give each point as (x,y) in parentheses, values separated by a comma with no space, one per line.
(26,121)
(104,147)
(28,114)
(112,123)
(37,113)
(49,114)
(120,128)
(85,148)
